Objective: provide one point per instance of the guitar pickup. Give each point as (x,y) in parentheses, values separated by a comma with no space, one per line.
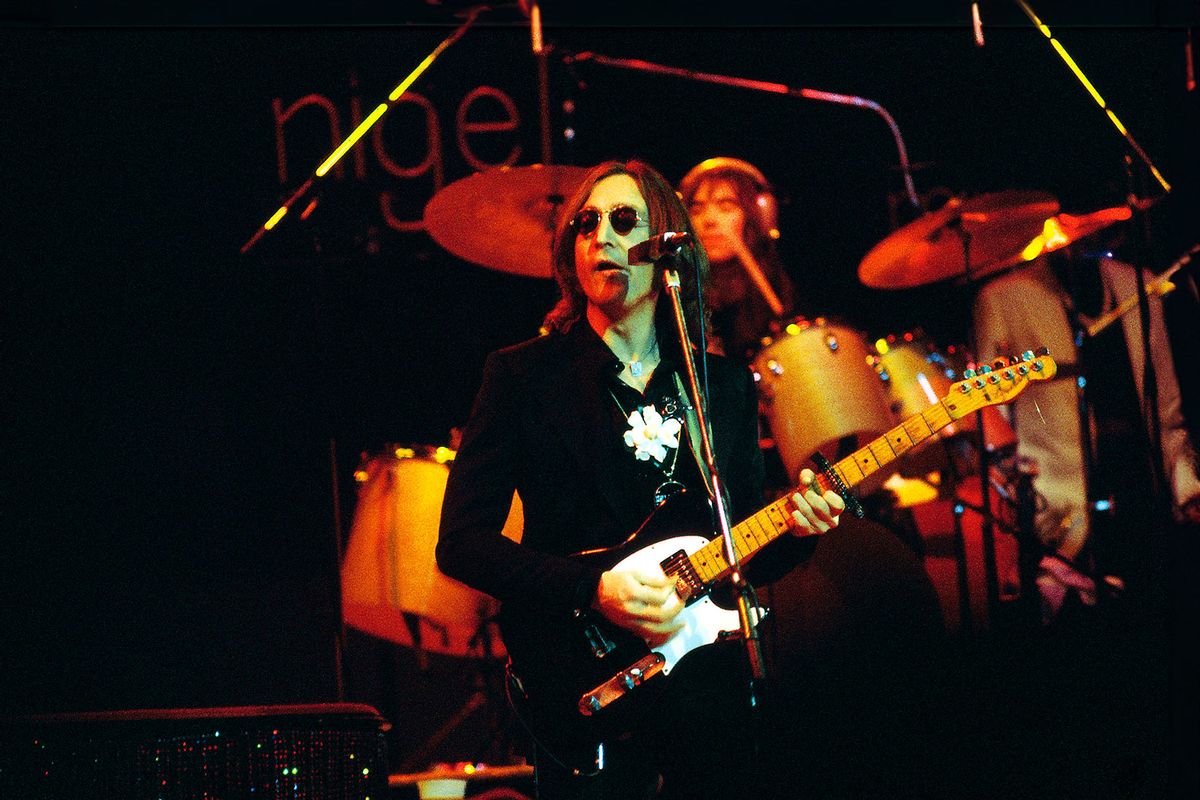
(621,684)
(688,585)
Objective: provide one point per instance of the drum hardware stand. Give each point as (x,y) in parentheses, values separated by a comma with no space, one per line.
(1029,546)
(965,620)
(1086,444)
(481,698)
(339,636)
(991,577)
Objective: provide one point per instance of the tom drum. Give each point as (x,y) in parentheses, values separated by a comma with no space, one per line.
(818,391)
(916,374)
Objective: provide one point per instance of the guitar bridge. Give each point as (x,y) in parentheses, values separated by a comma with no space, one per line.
(621,684)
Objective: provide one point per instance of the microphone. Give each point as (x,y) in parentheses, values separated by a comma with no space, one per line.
(656,247)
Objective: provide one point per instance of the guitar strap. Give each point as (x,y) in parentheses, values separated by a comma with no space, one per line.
(692,422)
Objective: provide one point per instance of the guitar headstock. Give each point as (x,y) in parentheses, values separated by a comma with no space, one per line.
(998,383)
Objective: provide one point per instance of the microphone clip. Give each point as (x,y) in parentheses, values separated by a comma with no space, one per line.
(655,248)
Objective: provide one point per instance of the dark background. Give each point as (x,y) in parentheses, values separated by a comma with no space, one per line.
(184,419)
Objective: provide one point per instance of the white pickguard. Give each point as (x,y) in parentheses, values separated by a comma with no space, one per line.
(703,620)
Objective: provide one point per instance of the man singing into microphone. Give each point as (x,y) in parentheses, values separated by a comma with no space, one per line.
(587,424)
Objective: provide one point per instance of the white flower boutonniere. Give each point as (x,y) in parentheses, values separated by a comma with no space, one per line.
(650,435)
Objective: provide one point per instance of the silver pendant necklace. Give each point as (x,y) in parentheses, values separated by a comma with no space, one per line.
(636,365)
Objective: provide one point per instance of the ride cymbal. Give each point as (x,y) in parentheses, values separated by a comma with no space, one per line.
(503,218)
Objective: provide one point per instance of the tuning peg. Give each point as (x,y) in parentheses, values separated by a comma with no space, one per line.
(984,369)
(1000,363)
(968,374)
(1027,355)
(1043,351)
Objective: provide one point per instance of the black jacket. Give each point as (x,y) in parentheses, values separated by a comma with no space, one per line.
(536,427)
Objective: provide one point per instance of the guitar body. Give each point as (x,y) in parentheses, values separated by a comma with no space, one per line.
(559,663)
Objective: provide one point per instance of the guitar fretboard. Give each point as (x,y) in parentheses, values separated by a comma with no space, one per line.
(768,524)
(987,388)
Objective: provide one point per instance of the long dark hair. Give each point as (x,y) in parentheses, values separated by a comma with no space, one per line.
(757,202)
(667,213)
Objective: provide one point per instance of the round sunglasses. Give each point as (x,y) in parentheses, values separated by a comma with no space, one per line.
(622,218)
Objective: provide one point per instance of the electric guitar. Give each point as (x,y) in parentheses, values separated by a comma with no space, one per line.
(575,683)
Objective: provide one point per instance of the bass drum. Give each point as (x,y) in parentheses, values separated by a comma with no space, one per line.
(391,586)
(819,393)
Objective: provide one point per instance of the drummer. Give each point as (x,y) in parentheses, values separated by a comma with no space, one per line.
(734,212)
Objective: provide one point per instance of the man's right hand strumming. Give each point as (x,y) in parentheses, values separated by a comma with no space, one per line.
(639,601)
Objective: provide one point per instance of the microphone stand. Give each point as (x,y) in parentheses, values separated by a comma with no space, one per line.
(764,86)
(744,591)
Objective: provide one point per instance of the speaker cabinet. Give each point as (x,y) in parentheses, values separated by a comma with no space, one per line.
(301,752)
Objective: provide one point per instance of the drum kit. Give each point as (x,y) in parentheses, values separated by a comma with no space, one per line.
(824,385)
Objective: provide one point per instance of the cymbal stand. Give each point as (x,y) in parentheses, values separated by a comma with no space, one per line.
(991,578)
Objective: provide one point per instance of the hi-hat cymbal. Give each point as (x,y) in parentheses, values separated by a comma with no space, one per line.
(1061,230)
(931,248)
(503,218)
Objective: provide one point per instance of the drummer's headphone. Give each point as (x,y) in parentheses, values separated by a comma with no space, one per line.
(766,210)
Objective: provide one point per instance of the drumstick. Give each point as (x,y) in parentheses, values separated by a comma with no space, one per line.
(750,265)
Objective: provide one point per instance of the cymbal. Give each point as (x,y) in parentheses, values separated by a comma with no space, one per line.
(503,218)
(930,248)
(1061,230)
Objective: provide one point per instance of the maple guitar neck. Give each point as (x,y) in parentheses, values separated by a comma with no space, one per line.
(992,385)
